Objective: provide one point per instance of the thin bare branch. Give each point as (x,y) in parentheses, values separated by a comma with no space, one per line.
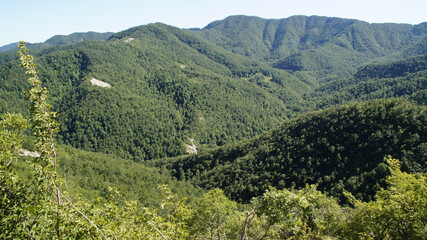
(249,217)
(81,213)
(158,231)
(266,231)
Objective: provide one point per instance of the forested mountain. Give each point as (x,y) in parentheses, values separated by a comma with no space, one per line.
(299,121)
(61,40)
(215,85)
(338,149)
(401,78)
(327,46)
(8,47)
(76,37)
(8,52)
(92,175)
(164,92)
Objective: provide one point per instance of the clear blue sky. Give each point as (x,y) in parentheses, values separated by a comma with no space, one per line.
(38,20)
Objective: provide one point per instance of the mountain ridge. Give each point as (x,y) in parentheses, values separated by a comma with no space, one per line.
(161,88)
(303,40)
(58,40)
(168,79)
(287,139)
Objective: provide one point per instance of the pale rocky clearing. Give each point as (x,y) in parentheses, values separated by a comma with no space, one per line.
(191,149)
(97,82)
(129,40)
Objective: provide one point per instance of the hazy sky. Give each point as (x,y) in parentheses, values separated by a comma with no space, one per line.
(37,20)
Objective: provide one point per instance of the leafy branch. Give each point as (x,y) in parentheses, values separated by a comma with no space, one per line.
(44,126)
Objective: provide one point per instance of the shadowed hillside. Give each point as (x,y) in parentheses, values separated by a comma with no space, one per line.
(339,149)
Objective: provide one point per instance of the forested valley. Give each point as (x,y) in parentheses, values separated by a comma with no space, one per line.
(249,128)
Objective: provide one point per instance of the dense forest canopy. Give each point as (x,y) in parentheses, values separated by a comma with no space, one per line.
(171,85)
(258,125)
(338,149)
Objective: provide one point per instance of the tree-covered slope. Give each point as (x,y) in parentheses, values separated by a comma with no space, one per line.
(320,44)
(167,86)
(339,149)
(91,175)
(8,52)
(403,78)
(77,37)
(8,47)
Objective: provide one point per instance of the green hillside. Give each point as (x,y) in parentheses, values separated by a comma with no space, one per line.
(338,149)
(76,37)
(403,78)
(90,175)
(330,47)
(163,93)
(8,47)
(8,52)
(250,128)
(171,85)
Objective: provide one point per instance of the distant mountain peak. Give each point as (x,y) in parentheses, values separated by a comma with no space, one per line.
(58,40)
(77,37)
(8,47)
